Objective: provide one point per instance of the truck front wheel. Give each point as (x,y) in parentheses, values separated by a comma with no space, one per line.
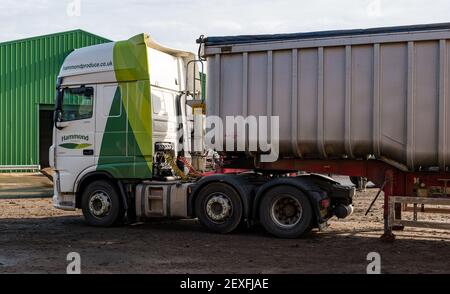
(285,212)
(218,207)
(101,204)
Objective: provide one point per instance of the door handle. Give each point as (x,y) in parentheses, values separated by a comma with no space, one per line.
(88,152)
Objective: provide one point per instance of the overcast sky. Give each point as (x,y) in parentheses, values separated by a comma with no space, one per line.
(177,23)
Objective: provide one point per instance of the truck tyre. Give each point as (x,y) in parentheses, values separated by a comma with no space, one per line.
(359,182)
(285,212)
(219,208)
(101,204)
(354,180)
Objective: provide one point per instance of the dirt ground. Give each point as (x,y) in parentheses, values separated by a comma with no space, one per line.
(24,185)
(36,238)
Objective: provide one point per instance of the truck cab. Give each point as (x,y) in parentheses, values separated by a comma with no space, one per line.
(114,101)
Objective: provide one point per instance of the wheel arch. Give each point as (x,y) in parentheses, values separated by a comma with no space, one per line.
(90,177)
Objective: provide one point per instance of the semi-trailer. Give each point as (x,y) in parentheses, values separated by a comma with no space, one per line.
(131,134)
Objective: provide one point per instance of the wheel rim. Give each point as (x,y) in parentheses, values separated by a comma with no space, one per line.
(286,211)
(100,204)
(218,207)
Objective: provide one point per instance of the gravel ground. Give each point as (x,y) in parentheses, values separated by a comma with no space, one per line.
(35,238)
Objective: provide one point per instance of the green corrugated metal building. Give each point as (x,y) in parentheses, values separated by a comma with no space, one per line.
(28,70)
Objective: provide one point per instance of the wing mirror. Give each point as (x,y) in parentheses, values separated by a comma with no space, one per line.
(57,118)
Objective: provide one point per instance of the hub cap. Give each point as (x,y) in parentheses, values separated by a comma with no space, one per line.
(100,204)
(218,207)
(286,211)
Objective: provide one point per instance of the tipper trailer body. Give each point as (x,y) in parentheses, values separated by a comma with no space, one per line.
(339,94)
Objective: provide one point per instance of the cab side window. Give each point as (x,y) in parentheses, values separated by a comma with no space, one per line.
(158,103)
(77,103)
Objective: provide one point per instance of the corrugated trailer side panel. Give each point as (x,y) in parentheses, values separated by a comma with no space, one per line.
(385,94)
(28,70)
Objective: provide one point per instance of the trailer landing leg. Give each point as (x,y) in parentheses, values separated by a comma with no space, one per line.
(388,189)
(387,236)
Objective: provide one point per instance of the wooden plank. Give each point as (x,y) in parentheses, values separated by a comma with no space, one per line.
(429,225)
(428,210)
(420,200)
(391,216)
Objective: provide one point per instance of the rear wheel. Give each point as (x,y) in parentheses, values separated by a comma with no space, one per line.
(101,204)
(354,180)
(359,182)
(219,208)
(285,212)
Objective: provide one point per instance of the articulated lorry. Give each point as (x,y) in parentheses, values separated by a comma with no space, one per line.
(134,137)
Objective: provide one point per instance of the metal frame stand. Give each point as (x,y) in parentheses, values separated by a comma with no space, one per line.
(395,221)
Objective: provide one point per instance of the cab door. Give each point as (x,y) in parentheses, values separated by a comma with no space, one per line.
(75,133)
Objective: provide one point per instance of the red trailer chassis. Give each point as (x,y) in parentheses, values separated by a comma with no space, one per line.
(394,181)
